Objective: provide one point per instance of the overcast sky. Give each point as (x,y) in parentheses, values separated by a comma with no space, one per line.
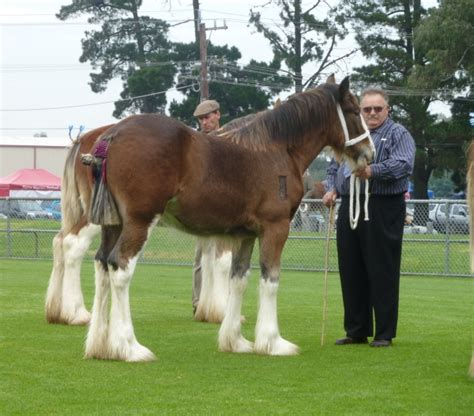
(41,74)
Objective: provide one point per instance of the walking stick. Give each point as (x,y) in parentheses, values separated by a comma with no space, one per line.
(326,270)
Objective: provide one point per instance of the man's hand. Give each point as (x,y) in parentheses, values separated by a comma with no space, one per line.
(329,198)
(364,173)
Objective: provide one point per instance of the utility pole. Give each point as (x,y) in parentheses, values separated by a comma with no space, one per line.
(197,19)
(203,79)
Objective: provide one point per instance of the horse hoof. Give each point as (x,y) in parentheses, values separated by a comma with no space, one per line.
(83,317)
(278,346)
(241,345)
(139,353)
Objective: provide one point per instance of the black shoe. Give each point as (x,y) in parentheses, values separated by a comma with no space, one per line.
(381,343)
(351,340)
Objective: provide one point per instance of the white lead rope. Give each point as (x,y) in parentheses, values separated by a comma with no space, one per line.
(354,184)
(355,189)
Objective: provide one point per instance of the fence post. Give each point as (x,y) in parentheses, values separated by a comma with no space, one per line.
(9,230)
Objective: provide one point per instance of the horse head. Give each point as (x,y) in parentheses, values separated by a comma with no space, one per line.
(352,141)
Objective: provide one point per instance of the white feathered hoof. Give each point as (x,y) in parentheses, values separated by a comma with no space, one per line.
(212,316)
(53,315)
(123,349)
(97,348)
(276,346)
(139,353)
(82,317)
(239,345)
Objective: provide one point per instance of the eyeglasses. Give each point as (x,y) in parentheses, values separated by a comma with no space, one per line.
(368,110)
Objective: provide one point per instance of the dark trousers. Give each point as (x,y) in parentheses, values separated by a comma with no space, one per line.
(369,266)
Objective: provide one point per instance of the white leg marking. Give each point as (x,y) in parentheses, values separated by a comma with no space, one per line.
(96,343)
(230,337)
(267,335)
(122,342)
(73,310)
(216,264)
(208,252)
(54,292)
(221,289)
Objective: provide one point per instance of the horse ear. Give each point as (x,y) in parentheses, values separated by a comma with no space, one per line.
(277,103)
(344,87)
(331,79)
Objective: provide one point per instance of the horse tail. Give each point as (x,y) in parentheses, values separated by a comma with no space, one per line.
(71,209)
(103,210)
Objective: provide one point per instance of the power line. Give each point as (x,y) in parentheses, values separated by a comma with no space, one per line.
(98,103)
(20,68)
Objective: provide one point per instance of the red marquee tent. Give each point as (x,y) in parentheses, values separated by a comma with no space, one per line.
(35,183)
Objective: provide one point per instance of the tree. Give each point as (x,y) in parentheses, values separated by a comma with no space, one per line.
(136,49)
(303,39)
(240,90)
(385,31)
(446,36)
(128,46)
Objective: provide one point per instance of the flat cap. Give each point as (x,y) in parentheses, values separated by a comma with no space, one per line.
(206,107)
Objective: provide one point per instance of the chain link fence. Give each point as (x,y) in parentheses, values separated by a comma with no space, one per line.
(436,237)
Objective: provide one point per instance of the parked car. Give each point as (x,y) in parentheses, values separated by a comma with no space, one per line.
(53,206)
(457,219)
(15,208)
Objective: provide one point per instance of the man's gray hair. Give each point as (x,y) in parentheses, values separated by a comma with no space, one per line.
(374,90)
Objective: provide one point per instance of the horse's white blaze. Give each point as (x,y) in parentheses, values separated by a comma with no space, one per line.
(75,247)
(96,343)
(230,336)
(267,335)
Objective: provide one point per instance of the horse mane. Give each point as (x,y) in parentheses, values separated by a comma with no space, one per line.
(287,123)
(236,124)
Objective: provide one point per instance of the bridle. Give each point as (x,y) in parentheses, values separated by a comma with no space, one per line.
(354,185)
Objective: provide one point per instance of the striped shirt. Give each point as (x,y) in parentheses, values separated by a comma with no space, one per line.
(393,164)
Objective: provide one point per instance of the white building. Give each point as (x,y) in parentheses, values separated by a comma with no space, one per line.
(33,153)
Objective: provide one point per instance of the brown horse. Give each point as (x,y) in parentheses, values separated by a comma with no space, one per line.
(247,186)
(64,299)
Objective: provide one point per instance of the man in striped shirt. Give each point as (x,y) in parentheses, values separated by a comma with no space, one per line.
(370,255)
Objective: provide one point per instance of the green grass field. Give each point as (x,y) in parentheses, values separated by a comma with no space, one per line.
(424,373)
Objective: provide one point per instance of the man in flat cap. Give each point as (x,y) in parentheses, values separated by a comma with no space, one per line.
(208,115)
